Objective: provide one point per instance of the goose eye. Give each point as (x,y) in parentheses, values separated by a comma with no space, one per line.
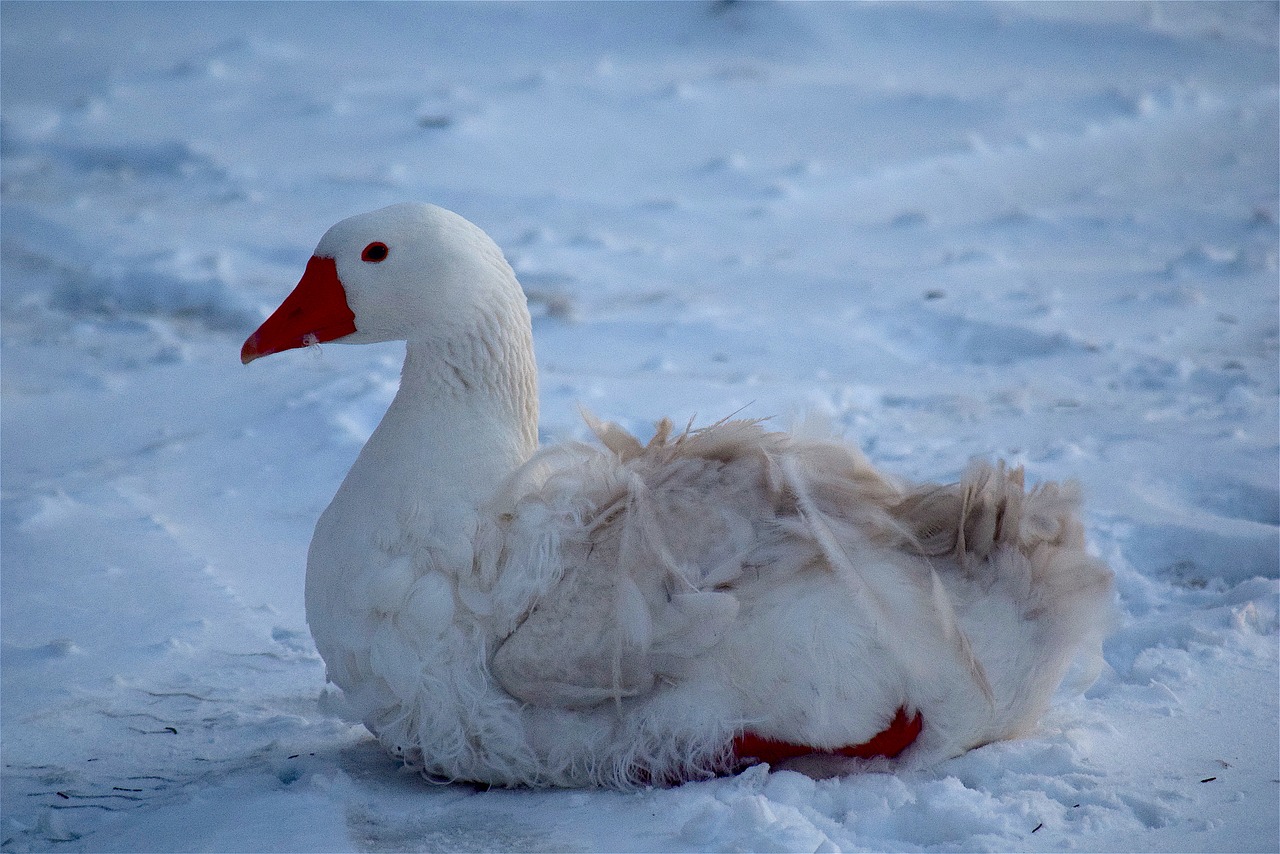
(374,252)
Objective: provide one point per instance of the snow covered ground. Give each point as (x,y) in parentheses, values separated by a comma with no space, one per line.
(1042,232)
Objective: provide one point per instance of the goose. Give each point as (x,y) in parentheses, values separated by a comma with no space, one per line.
(621,614)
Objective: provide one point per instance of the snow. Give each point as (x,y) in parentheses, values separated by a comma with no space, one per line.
(1045,232)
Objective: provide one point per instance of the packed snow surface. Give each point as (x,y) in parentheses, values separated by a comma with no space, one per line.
(1045,233)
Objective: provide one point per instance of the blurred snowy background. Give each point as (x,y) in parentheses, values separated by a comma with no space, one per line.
(1046,232)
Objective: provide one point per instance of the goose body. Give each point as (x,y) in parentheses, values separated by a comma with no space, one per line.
(617,613)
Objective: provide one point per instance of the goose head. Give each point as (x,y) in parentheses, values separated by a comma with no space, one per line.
(408,272)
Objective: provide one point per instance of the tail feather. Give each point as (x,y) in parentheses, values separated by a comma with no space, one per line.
(989,508)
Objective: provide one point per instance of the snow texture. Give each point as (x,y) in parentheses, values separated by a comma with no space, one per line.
(1041,232)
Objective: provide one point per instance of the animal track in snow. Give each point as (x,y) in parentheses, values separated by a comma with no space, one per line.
(927,336)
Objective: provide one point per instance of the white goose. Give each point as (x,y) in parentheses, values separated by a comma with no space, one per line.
(631,614)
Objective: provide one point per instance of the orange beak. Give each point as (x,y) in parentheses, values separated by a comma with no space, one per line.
(316,311)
